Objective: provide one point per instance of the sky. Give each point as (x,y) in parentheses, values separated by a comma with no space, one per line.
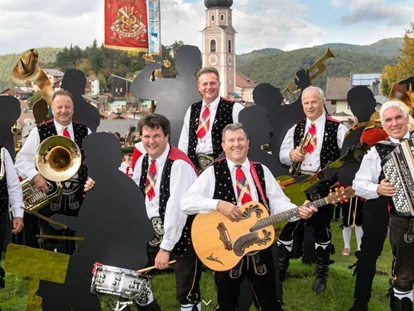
(282,24)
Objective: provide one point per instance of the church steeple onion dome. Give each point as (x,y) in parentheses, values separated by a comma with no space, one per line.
(218,3)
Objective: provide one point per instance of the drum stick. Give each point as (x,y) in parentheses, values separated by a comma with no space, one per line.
(153,267)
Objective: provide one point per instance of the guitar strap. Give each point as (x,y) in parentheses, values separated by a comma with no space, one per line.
(258,185)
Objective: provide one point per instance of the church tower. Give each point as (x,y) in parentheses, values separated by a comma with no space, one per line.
(218,41)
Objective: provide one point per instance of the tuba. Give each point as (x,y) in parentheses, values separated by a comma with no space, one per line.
(58,158)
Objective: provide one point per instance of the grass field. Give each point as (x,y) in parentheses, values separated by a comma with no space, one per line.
(298,295)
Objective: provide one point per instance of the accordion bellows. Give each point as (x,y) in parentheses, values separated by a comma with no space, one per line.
(398,168)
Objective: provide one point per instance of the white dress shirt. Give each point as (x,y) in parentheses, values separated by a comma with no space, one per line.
(199,198)
(366,180)
(312,161)
(204,145)
(126,169)
(13,186)
(181,178)
(25,159)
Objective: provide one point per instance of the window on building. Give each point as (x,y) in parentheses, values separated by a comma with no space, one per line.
(213,45)
(212,17)
(222,17)
(229,46)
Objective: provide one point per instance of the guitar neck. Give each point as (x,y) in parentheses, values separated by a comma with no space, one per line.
(293,212)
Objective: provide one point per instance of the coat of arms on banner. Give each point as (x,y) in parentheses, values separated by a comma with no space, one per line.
(126,24)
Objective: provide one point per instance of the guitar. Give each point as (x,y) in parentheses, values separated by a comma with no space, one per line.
(221,243)
(355,152)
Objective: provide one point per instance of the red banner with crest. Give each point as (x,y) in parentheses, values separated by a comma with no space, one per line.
(126,25)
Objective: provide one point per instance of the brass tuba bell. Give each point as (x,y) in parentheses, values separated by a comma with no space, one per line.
(58,158)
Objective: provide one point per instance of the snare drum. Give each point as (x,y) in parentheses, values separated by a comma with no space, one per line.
(121,282)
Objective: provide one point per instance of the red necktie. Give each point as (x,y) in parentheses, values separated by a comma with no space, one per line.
(242,187)
(312,139)
(204,123)
(66,132)
(129,171)
(151,179)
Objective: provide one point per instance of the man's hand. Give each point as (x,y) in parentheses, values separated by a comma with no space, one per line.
(41,183)
(296,156)
(17,225)
(307,212)
(89,184)
(229,210)
(302,79)
(386,189)
(162,259)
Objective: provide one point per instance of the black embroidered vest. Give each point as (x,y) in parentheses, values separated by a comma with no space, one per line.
(224,189)
(4,192)
(224,116)
(69,202)
(184,243)
(330,150)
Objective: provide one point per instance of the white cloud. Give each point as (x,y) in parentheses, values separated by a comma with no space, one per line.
(283,24)
(395,15)
(337,3)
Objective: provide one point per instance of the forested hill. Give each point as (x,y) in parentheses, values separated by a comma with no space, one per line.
(267,65)
(279,68)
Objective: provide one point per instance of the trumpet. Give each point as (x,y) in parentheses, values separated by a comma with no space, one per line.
(315,71)
(294,169)
(149,58)
(353,212)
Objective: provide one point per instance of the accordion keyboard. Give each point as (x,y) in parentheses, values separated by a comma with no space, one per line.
(399,170)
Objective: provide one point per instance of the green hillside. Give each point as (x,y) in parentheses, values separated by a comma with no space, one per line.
(266,65)
(279,69)
(384,47)
(248,57)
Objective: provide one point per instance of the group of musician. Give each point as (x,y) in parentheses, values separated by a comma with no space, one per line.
(180,182)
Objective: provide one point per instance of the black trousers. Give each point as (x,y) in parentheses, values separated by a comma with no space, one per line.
(403,253)
(187,277)
(320,221)
(260,271)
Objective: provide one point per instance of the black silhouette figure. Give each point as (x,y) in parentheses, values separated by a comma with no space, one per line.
(9,113)
(375,219)
(173,96)
(362,103)
(282,117)
(409,83)
(113,222)
(74,81)
(257,125)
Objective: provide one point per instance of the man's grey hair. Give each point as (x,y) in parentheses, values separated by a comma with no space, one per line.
(233,127)
(316,88)
(389,105)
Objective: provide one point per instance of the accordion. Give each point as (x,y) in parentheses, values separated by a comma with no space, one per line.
(398,168)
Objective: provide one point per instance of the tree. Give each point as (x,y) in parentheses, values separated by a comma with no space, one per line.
(102,82)
(405,66)
(85,65)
